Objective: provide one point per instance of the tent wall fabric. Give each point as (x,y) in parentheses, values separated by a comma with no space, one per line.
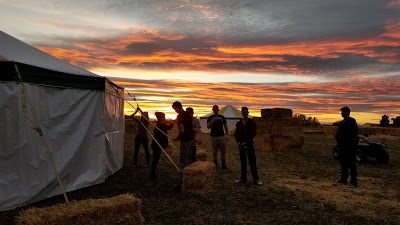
(232,115)
(83,125)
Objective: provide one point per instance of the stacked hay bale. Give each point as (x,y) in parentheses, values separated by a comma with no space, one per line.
(277,130)
(198,177)
(201,155)
(330,130)
(396,132)
(122,209)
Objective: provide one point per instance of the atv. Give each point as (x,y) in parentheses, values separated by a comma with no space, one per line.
(366,148)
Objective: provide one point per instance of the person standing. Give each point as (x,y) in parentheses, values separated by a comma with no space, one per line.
(346,138)
(185,134)
(196,129)
(160,139)
(244,134)
(141,136)
(217,123)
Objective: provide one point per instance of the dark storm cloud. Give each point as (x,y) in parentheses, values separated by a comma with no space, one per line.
(287,20)
(182,45)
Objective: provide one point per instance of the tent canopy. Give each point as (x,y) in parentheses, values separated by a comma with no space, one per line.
(228,111)
(41,68)
(79,113)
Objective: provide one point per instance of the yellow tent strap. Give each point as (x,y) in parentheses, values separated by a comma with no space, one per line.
(170,159)
(35,125)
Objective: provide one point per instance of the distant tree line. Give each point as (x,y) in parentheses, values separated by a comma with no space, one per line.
(385,122)
(308,121)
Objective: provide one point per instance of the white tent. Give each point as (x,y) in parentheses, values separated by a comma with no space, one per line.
(80,115)
(232,115)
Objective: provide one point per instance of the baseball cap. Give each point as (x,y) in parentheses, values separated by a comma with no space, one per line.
(345,108)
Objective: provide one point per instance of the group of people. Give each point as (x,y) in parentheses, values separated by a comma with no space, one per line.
(245,132)
(188,127)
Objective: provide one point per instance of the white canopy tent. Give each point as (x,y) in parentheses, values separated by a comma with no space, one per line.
(232,115)
(80,115)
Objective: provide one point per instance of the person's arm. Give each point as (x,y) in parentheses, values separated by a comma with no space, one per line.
(133,114)
(197,127)
(226,131)
(211,122)
(170,126)
(181,130)
(355,131)
(237,132)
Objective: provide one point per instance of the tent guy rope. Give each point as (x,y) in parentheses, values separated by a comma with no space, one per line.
(35,125)
(170,159)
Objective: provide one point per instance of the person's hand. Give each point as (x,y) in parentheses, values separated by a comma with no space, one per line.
(227,137)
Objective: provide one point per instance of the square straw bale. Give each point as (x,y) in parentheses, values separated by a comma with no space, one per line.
(121,210)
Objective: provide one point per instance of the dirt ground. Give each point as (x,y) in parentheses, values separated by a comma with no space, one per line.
(298,188)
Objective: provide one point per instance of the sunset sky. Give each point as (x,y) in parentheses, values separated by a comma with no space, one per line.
(312,56)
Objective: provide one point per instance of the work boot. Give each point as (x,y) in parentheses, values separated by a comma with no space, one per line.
(258,182)
(240,181)
(353,184)
(224,165)
(341,181)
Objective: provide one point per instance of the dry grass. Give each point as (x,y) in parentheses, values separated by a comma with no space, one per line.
(299,188)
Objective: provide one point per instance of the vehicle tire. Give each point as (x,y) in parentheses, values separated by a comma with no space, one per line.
(382,157)
(360,156)
(336,152)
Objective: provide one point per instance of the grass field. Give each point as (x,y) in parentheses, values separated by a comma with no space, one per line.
(298,188)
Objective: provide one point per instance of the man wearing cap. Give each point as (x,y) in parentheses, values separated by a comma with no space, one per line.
(346,138)
(244,134)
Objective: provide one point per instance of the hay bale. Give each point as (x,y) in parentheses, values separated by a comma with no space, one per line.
(262,142)
(285,122)
(266,113)
(260,121)
(293,141)
(378,130)
(397,132)
(292,131)
(330,130)
(198,177)
(122,209)
(285,148)
(364,130)
(169,150)
(201,155)
(390,131)
(281,112)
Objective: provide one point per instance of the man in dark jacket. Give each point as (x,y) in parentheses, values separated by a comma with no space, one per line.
(346,138)
(244,134)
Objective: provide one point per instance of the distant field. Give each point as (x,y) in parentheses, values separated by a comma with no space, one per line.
(299,188)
